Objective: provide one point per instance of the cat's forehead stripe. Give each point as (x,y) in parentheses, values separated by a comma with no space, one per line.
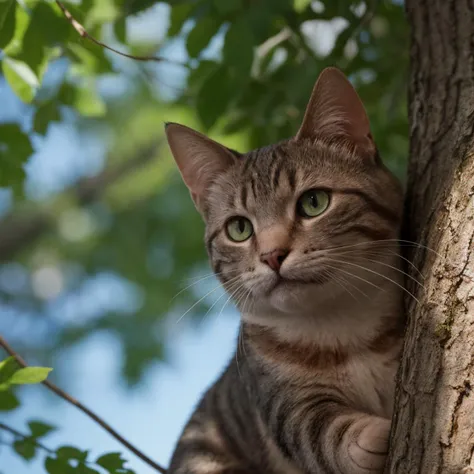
(372,203)
(243,196)
(266,171)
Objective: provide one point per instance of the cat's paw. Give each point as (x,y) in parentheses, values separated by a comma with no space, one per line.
(368,451)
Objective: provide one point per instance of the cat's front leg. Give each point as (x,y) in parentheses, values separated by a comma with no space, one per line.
(366,445)
(326,437)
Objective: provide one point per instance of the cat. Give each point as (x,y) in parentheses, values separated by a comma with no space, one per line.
(303,236)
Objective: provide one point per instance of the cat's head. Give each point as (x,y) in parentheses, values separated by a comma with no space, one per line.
(294,223)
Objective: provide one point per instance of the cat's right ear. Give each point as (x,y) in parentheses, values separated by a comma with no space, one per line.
(199,159)
(335,110)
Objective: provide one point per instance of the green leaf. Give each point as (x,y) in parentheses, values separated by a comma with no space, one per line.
(236,124)
(200,35)
(259,17)
(7,368)
(88,103)
(66,94)
(228,6)
(21,78)
(8,400)
(103,11)
(84,99)
(214,96)
(89,59)
(39,429)
(30,375)
(238,49)
(198,75)
(22,20)
(120,30)
(7,22)
(84,469)
(29,45)
(180,12)
(134,7)
(301,5)
(58,466)
(49,24)
(25,448)
(111,462)
(70,452)
(15,149)
(45,114)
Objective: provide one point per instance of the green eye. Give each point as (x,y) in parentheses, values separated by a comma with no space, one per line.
(239,229)
(312,203)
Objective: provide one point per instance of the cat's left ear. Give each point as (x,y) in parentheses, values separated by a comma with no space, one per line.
(199,159)
(335,110)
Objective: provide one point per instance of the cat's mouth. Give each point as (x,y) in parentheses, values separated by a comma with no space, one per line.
(285,282)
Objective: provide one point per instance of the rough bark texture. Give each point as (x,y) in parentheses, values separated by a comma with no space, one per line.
(433,429)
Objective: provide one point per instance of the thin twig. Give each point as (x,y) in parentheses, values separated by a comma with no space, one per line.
(17,434)
(61,393)
(84,34)
(31,439)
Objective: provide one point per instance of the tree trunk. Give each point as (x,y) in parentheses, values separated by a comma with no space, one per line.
(433,427)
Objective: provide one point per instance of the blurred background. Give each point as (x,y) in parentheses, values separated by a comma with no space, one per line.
(103,272)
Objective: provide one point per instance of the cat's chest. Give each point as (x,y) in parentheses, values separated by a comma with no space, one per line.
(369,383)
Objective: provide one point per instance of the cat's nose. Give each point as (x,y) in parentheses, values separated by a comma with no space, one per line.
(274,259)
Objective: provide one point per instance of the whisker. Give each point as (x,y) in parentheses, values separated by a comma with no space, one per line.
(338,269)
(394,268)
(334,275)
(338,281)
(199,279)
(360,278)
(184,280)
(190,286)
(230,297)
(215,302)
(199,300)
(381,275)
(401,242)
(246,299)
(380,253)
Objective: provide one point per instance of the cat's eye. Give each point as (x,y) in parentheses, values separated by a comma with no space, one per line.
(312,203)
(239,229)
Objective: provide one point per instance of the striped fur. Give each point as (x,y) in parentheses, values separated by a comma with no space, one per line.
(310,389)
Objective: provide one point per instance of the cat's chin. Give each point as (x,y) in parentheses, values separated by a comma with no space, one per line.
(290,295)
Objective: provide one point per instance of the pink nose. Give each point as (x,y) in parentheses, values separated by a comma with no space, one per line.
(274,259)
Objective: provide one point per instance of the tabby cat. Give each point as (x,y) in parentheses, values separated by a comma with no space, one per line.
(303,236)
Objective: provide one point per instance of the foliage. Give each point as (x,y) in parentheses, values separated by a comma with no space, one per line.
(113,214)
(64,459)
(12,374)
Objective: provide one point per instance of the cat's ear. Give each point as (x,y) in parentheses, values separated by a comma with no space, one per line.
(335,109)
(199,159)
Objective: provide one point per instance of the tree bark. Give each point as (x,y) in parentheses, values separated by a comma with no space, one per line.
(433,427)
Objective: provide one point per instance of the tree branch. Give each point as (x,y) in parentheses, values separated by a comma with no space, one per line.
(16,232)
(17,434)
(84,34)
(65,396)
(90,189)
